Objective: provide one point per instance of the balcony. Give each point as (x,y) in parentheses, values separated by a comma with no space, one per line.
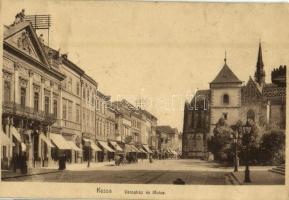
(28,112)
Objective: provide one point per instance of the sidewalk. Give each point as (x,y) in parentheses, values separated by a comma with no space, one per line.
(259,177)
(6,174)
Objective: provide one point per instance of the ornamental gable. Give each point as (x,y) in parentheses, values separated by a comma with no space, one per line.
(251,92)
(22,37)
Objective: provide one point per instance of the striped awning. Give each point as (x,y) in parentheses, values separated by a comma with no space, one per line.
(146,147)
(15,133)
(94,146)
(60,141)
(105,146)
(73,146)
(115,146)
(46,140)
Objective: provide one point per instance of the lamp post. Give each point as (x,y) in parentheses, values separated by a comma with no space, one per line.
(235,137)
(236,155)
(88,160)
(247,134)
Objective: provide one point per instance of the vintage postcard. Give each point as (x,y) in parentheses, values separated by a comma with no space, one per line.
(143,100)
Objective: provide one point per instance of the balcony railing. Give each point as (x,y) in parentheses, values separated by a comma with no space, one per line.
(25,111)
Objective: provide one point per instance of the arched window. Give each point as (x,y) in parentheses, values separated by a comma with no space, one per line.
(251,114)
(226,99)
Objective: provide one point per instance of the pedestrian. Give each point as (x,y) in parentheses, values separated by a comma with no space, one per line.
(14,162)
(24,169)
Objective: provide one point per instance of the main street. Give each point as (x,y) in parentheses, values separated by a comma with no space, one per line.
(143,172)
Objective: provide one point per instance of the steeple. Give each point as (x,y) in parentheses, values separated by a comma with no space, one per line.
(260,73)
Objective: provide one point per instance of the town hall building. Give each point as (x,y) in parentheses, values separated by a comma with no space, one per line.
(232,99)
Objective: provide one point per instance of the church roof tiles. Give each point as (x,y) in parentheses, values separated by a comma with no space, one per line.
(226,76)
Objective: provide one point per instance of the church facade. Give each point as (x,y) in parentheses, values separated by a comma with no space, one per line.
(231,99)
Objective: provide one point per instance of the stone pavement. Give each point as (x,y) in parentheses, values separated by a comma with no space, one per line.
(8,174)
(158,172)
(259,177)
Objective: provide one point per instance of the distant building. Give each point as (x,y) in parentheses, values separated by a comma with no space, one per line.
(230,99)
(168,138)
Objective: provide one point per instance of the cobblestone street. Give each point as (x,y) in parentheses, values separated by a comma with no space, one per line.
(158,172)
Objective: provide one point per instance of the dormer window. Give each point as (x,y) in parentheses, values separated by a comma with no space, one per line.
(226,99)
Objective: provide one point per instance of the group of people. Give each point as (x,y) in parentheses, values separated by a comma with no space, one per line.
(129,158)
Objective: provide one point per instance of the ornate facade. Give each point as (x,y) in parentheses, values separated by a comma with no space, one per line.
(31,96)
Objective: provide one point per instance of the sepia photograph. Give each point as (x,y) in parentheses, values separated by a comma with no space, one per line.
(123,96)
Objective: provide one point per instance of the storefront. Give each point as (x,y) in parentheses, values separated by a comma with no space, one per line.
(5,143)
(107,153)
(62,147)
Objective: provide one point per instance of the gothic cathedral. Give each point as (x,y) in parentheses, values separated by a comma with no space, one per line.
(229,98)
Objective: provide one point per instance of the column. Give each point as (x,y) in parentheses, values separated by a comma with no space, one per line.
(31,106)
(60,105)
(268,112)
(42,94)
(16,84)
(40,153)
(49,128)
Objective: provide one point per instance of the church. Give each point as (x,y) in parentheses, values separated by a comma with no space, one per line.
(231,99)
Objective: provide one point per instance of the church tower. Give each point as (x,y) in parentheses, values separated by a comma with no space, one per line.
(260,73)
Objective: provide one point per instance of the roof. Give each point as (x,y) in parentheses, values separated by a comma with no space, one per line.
(226,76)
(205,93)
(148,114)
(40,58)
(101,95)
(166,129)
(273,90)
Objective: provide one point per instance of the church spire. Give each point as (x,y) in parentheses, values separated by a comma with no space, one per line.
(260,73)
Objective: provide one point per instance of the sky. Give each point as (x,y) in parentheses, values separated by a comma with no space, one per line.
(162,52)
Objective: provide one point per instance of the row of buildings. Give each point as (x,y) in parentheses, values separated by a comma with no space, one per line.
(232,99)
(51,107)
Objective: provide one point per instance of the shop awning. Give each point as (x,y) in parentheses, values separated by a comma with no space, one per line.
(135,149)
(105,146)
(94,146)
(116,146)
(73,146)
(146,147)
(142,150)
(15,133)
(5,140)
(46,140)
(60,141)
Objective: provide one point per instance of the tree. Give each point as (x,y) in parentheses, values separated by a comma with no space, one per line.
(219,143)
(272,147)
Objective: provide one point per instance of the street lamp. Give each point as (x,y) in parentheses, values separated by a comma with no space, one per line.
(236,154)
(246,139)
